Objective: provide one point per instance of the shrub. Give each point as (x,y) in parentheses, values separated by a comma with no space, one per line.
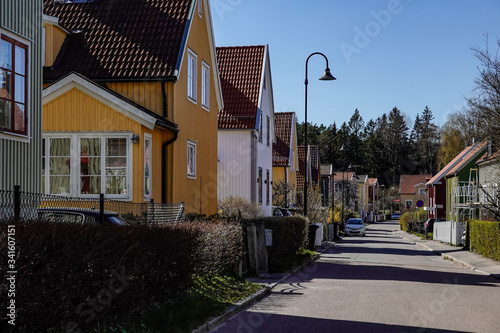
(86,273)
(404,221)
(233,208)
(484,238)
(290,234)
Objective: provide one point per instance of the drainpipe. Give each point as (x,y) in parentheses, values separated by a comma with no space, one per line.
(164,147)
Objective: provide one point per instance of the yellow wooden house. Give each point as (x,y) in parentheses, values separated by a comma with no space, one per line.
(285,155)
(130,101)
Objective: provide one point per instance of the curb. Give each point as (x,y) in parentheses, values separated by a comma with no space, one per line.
(452,258)
(239,306)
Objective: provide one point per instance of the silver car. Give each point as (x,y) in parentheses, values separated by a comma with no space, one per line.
(355,226)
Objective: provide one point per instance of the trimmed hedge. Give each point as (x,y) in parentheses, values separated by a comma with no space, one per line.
(290,234)
(71,277)
(484,238)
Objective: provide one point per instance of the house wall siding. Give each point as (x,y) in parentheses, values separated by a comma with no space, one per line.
(54,38)
(75,111)
(197,125)
(146,94)
(20,160)
(235,165)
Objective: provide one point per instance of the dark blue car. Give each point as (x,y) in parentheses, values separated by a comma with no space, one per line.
(78,215)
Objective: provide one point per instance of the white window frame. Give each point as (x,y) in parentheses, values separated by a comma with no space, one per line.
(22,137)
(75,166)
(421,191)
(148,164)
(191,155)
(192,62)
(205,86)
(410,203)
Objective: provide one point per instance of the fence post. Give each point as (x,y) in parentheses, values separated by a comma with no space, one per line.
(101,208)
(17,202)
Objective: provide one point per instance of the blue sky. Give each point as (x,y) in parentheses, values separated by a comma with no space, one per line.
(384,53)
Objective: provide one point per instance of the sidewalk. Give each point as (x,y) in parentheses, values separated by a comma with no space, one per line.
(470,260)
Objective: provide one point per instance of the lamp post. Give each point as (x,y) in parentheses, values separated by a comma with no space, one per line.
(326,77)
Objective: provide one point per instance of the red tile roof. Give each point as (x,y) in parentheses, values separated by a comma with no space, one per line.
(346,175)
(240,71)
(463,156)
(407,183)
(485,158)
(120,39)
(315,166)
(283,124)
(474,153)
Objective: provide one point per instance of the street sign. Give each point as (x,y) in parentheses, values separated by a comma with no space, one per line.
(420,203)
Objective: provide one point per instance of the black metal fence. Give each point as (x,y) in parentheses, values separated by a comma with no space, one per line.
(24,205)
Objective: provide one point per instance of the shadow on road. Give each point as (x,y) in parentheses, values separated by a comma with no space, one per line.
(252,322)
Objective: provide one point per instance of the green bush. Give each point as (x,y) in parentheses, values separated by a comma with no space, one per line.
(404,221)
(484,238)
(86,274)
(290,235)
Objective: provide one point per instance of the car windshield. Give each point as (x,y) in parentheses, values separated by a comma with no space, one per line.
(116,220)
(355,222)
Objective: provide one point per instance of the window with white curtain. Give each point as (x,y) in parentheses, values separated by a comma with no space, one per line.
(147,166)
(191,159)
(85,165)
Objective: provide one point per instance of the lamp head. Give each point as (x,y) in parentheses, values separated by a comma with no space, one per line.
(327,76)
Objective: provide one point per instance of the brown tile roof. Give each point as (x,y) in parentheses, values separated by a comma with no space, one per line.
(283,124)
(451,166)
(314,158)
(240,71)
(120,39)
(407,183)
(474,153)
(485,158)
(346,175)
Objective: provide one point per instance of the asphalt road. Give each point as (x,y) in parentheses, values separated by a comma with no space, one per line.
(377,283)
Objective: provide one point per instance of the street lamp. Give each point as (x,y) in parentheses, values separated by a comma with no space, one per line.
(326,77)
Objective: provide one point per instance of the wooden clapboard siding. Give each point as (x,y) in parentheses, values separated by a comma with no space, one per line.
(21,156)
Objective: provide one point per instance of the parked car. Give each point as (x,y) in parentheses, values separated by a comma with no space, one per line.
(428,225)
(280,212)
(78,215)
(355,226)
(395,216)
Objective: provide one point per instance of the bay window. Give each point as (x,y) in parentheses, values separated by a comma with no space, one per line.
(85,165)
